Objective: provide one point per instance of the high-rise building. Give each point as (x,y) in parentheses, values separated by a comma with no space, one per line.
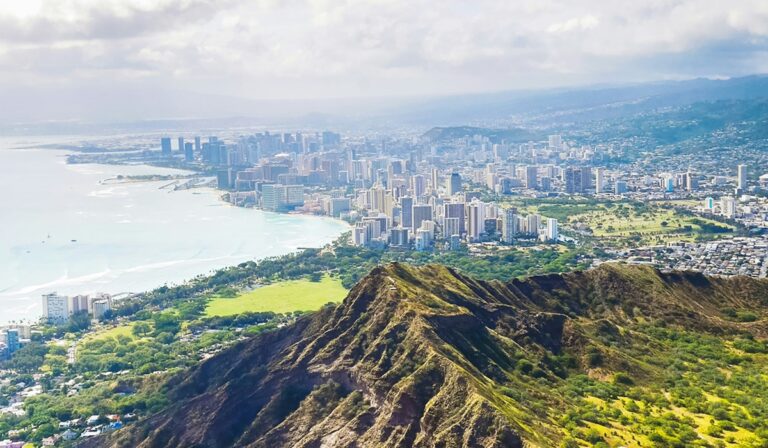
(531,177)
(451,227)
(546,183)
(742,177)
(55,308)
(435,180)
(586,180)
(359,235)
(181,144)
(421,213)
(294,195)
(165,146)
(476,220)
(423,240)
(337,206)
(100,308)
(534,223)
(569,179)
(668,184)
(691,183)
(509,225)
(198,147)
(378,197)
(78,304)
(454,183)
(728,206)
(398,237)
(225,179)
(620,187)
(418,185)
(456,210)
(455,242)
(406,205)
(270,197)
(12,340)
(599,180)
(555,142)
(551,233)
(189,154)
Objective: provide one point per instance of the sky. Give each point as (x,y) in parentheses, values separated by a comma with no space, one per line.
(299,49)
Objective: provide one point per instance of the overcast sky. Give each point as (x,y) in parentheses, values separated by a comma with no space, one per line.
(346,48)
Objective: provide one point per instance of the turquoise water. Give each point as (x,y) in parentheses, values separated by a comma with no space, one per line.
(129,237)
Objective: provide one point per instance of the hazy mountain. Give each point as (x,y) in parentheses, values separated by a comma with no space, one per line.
(427,357)
(57,110)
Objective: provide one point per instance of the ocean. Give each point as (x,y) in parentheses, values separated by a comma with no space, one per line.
(66,228)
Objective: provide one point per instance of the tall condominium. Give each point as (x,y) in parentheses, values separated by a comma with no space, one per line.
(165,146)
(551,234)
(406,204)
(418,185)
(509,227)
(454,184)
(555,141)
(742,177)
(577,180)
(599,180)
(476,221)
(55,308)
(456,210)
(532,177)
(421,213)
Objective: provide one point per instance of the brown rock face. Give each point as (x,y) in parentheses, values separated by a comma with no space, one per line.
(420,357)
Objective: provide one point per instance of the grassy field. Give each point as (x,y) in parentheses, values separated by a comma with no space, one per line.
(650,225)
(120,330)
(283,297)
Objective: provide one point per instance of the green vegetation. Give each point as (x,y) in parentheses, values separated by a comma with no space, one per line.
(626,224)
(282,297)
(153,335)
(616,356)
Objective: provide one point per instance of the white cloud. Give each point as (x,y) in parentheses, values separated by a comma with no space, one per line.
(576,23)
(314,48)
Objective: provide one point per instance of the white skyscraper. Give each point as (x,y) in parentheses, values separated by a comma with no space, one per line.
(555,142)
(742,177)
(728,206)
(534,222)
(476,220)
(551,234)
(435,180)
(509,225)
(599,180)
(55,308)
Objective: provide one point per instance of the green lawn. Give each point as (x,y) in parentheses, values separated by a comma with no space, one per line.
(120,330)
(283,297)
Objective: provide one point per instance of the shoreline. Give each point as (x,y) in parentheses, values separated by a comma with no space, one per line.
(21,305)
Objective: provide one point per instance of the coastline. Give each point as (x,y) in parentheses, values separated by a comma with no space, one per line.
(22,301)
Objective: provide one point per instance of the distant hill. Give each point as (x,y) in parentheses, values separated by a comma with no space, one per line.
(438,134)
(427,357)
(581,104)
(104,108)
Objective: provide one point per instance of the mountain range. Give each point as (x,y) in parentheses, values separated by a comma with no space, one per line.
(103,108)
